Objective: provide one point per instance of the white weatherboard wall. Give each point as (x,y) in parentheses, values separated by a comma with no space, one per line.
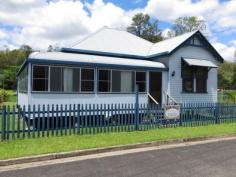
(175,87)
(47,98)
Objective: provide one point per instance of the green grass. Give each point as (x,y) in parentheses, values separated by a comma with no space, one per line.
(28,147)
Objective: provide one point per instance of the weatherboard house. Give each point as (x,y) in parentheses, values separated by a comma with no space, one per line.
(105,68)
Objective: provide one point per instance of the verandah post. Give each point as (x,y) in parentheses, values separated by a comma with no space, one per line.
(3,123)
(136,107)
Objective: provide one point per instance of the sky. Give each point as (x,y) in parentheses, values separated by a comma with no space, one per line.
(40,23)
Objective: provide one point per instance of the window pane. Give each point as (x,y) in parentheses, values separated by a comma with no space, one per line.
(40,84)
(141,81)
(40,78)
(87,86)
(201,86)
(127,81)
(87,74)
(116,81)
(104,75)
(104,80)
(40,71)
(68,79)
(188,85)
(56,79)
(76,79)
(141,86)
(140,76)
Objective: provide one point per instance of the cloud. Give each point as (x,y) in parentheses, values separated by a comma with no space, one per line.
(59,21)
(227,51)
(40,23)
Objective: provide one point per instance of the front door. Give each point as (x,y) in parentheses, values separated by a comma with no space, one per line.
(155,86)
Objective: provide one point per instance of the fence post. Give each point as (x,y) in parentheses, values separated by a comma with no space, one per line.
(136,107)
(3,123)
(181,115)
(217,113)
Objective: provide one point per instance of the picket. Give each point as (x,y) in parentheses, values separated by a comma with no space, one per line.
(61,120)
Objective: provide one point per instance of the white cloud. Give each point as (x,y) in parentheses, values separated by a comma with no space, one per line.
(226,51)
(59,21)
(39,23)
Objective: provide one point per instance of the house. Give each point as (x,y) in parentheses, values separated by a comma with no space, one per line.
(106,66)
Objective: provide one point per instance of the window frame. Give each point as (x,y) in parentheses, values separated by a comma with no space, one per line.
(145,82)
(187,78)
(133,82)
(203,78)
(71,67)
(32,78)
(110,81)
(94,79)
(23,80)
(194,78)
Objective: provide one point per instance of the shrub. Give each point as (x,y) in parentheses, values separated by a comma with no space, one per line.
(4,96)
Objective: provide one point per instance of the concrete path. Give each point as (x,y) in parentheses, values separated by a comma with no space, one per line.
(216,158)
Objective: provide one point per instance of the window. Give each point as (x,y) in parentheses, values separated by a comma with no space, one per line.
(71,79)
(187,79)
(104,80)
(141,81)
(87,80)
(40,78)
(116,81)
(56,81)
(23,81)
(122,81)
(201,79)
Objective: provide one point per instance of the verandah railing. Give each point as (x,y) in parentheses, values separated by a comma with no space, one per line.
(58,120)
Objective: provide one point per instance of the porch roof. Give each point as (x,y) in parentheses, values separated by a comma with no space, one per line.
(85,59)
(199,62)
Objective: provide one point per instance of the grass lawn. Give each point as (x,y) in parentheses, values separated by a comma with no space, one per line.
(27,147)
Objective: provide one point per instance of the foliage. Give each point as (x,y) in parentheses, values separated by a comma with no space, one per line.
(10,62)
(4,96)
(145,28)
(187,24)
(227,75)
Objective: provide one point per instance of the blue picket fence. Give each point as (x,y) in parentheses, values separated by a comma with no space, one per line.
(58,120)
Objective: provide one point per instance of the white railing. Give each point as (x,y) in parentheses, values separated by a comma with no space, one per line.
(170,100)
(153,99)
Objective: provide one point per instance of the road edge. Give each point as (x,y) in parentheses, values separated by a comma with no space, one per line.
(62,155)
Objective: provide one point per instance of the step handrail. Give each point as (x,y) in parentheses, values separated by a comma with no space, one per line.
(171,98)
(153,99)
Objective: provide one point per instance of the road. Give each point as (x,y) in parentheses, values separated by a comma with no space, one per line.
(216,159)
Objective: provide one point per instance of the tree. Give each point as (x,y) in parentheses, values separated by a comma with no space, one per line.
(187,24)
(143,27)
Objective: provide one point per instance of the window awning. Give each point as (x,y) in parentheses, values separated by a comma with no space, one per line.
(200,62)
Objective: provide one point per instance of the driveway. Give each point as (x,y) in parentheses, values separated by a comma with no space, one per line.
(213,159)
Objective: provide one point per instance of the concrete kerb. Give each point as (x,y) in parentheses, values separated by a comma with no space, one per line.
(62,155)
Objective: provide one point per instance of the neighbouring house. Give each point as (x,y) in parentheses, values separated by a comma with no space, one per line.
(106,66)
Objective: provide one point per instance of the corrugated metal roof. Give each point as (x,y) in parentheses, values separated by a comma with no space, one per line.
(122,42)
(199,62)
(169,45)
(114,41)
(93,59)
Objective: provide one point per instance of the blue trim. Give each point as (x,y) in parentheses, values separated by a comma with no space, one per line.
(22,67)
(99,53)
(111,66)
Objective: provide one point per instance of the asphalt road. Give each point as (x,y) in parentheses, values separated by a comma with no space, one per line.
(214,159)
